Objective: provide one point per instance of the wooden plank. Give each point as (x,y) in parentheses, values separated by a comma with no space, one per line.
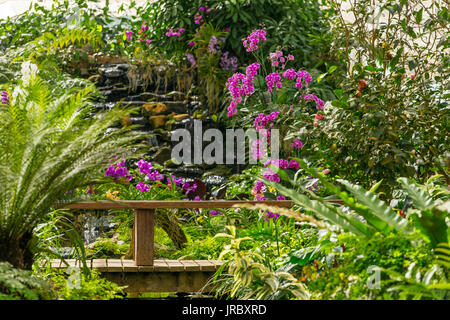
(217,263)
(144,230)
(100,265)
(88,264)
(56,263)
(206,265)
(178,204)
(161,265)
(114,265)
(129,266)
(161,281)
(190,265)
(146,268)
(175,265)
(71,262)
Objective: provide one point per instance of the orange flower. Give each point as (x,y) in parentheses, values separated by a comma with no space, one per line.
(113,195)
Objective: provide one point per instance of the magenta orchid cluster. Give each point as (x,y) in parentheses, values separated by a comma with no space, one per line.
(271,215)
(302,75)
(252,41)
(290,74)
(143,187)
(263,123)
(273,79)
(4,97)
(143,33)
(312,97)
(258,191)
(283,164)
(297,144)
(188,188)
(215,212)
(177,32)
(240,85)
(119,172)
(172,180)
(129,34)
(199,18)
(277,59)
(259,188)
(153,175)
(146,168)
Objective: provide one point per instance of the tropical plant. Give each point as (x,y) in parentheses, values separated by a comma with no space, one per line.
(16,284)
(295,24)
(70,284)
(390,116)
(56,229)
(368,213)
(250,277)
(50,146)
(431,284)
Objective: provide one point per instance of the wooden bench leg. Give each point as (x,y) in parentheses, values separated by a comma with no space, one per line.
(144,231)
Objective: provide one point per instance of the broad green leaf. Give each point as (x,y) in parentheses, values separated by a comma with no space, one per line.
(419,197)
(377,207)
(318,208)
(319,78)
(374,188)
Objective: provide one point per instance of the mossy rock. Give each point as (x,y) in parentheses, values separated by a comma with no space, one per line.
(157,121)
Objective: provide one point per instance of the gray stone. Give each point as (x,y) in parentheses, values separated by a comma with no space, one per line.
(162,155)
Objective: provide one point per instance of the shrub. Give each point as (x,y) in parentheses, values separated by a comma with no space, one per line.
(74,285)
(16,284)
(390,117)
(296,24)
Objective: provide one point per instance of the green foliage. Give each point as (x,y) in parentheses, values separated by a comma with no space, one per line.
(53,44)
(74,285)
(249,277)
(50,147)
(433,284)
(16,284)
(357,259)
(430,220)
(390,116)
(442,254)
(38,22)
(296,25)
(55,230)
(104,248)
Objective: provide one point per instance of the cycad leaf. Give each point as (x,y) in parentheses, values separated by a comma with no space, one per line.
(318,208)
(377,207)
(419,197)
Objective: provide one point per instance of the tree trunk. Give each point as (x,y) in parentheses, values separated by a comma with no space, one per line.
(170,224)
(17,251)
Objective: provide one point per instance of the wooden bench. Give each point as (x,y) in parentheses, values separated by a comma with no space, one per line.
(143,273)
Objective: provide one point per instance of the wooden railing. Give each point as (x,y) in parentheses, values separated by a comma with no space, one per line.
(144,217)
